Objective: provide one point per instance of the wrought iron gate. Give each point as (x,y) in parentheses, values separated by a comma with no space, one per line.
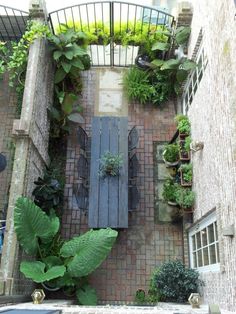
(111,23)
(12,23)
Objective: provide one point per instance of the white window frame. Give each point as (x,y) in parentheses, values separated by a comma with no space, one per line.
(193,80)
(211,219)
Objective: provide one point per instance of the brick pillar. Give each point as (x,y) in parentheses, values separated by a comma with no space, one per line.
(31,141)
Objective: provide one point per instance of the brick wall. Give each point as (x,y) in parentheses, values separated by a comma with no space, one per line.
(213,118)
(7,115)
(31,155)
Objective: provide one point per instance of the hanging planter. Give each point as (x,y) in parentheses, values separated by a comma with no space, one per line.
(186,174)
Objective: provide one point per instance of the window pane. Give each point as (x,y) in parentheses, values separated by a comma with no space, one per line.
(193,243)
(218,253)
(194,259)
(211,237)
(199,256)
(205,256)
(198,240)
(212,254)
(204,237)
(216,233)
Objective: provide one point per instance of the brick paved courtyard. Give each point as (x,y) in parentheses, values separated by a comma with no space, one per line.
(146,243)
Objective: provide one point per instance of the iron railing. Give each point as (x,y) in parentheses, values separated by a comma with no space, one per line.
(111,23)
(12,23)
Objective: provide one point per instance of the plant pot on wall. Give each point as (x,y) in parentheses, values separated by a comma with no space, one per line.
(182,181)
(183,154)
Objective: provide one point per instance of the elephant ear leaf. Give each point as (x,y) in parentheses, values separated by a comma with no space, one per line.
(87,295)
(95,243)
(30,223)
(36,271)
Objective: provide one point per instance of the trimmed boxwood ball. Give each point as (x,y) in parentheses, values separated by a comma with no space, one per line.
(174,282)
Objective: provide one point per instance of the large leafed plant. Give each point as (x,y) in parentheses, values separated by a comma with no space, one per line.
(65,264)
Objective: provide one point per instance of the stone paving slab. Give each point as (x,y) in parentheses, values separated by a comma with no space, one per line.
(67,308)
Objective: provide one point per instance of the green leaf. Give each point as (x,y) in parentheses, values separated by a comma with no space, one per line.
(95,243)
(69,54)
(52,261)
(161,46)
(170,64)
(57,54)
(158,62)
(66,280)
(79,51)
(61,96)
(77,63)
(69,100)
(30,223)
(36,271)
(76,117)
(188,65)
(54,228)
(60,75)
(181,75)
(54,113)
(86,295)
(182,34)
(66,66)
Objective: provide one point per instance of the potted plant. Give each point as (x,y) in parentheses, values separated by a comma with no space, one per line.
(184,148)
(186,174)
(110,164)
(183,125)
(61,264)
(169,191)
(171,155)
(185,198)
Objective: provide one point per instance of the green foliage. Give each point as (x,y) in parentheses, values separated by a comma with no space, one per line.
(171,153)
(70,55)
(48,192)
(187,143)
(86,295)
(14,57)
(136,34)
(170,189)
(174,282)
(36,271)
(67,264)
(110,164)
(140,296)
(31,224)
(183,124)
(147,86)
(187,171)
(185,197)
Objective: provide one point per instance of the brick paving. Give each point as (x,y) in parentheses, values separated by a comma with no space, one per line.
(145,244)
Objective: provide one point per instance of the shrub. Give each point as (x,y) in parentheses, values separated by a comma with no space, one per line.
(183,124)
(185,197)
(187,170)
(169,190)
(187,143)
(171,152)
(137,86)
(174,282)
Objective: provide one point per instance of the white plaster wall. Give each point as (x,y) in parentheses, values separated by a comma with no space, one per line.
(213,117)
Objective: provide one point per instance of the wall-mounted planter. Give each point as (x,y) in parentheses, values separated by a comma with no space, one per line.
(183,154)
(182,181)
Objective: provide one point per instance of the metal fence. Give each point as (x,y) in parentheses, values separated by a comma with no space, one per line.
(12,23)
(115,28)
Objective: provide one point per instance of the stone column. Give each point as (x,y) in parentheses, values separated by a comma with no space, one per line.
(31,145)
